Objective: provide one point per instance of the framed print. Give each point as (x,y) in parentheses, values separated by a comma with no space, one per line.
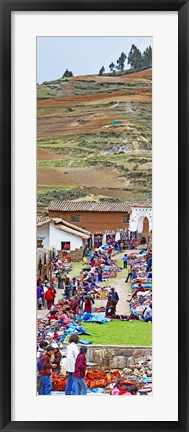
(94,130)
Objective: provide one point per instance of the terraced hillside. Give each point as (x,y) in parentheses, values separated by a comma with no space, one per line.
(95,138)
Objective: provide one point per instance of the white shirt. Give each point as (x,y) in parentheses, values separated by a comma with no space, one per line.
(71,355)
(40,353)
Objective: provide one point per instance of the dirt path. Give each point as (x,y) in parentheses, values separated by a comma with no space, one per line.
(43,313)
(123,289)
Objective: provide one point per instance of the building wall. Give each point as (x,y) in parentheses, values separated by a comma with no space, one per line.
(57,236)
(137,216)
(95,221)
(43,232)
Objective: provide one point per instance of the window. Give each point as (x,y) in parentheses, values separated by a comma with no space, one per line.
(126,219)
(39,243)
(74,218)
(65,246)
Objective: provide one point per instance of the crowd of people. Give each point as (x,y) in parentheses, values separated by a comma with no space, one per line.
(78,299)
(80,292)
(48,361)
(77,381)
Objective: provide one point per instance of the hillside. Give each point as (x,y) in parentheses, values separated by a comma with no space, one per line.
(95,138)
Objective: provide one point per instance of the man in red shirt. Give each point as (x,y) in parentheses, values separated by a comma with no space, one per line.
(110,252)
(49,297)
(46,371)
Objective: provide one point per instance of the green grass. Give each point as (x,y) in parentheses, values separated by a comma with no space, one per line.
(76,268)
(50,89)
(135,333)
(124,162)
(45,92)
(44,196)
(132,333)
(88,87)
(42,188)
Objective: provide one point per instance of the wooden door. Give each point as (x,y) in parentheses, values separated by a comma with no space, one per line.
(145,231)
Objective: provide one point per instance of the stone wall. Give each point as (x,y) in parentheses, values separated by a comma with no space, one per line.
(118,357)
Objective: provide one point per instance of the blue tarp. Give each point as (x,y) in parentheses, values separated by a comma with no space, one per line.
(117,122)
(85,342)
(73,328)
(90,255)
(88,317)
(144,285)
(147,379)
(96,390)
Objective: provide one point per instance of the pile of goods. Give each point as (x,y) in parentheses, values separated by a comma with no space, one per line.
(67,264)
(130,381)
(141,284)
(61,265)
(141,299)
(100,379)
(99,293)
(59,381)
(141,374)
(101,260)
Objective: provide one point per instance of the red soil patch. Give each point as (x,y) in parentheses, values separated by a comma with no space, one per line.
(139,96)
(69,125)
(43,154)
(88,177)
(142,75)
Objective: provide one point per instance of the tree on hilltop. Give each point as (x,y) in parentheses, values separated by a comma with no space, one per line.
(135,58)
(121,61)
(67,74)
(102,70)
(147,57)
(112,66)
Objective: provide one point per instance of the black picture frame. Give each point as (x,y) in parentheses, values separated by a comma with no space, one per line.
(6,7)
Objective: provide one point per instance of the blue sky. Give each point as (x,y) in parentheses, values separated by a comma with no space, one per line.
(81,55)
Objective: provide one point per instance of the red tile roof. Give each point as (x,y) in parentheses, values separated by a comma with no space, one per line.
(42,220)
(104,206)
(65,226)
(72,231)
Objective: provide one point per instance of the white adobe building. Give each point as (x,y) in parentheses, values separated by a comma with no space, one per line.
(61,235)
(140,219)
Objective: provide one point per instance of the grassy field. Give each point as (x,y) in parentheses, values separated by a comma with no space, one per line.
(116,332)
(76,268)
